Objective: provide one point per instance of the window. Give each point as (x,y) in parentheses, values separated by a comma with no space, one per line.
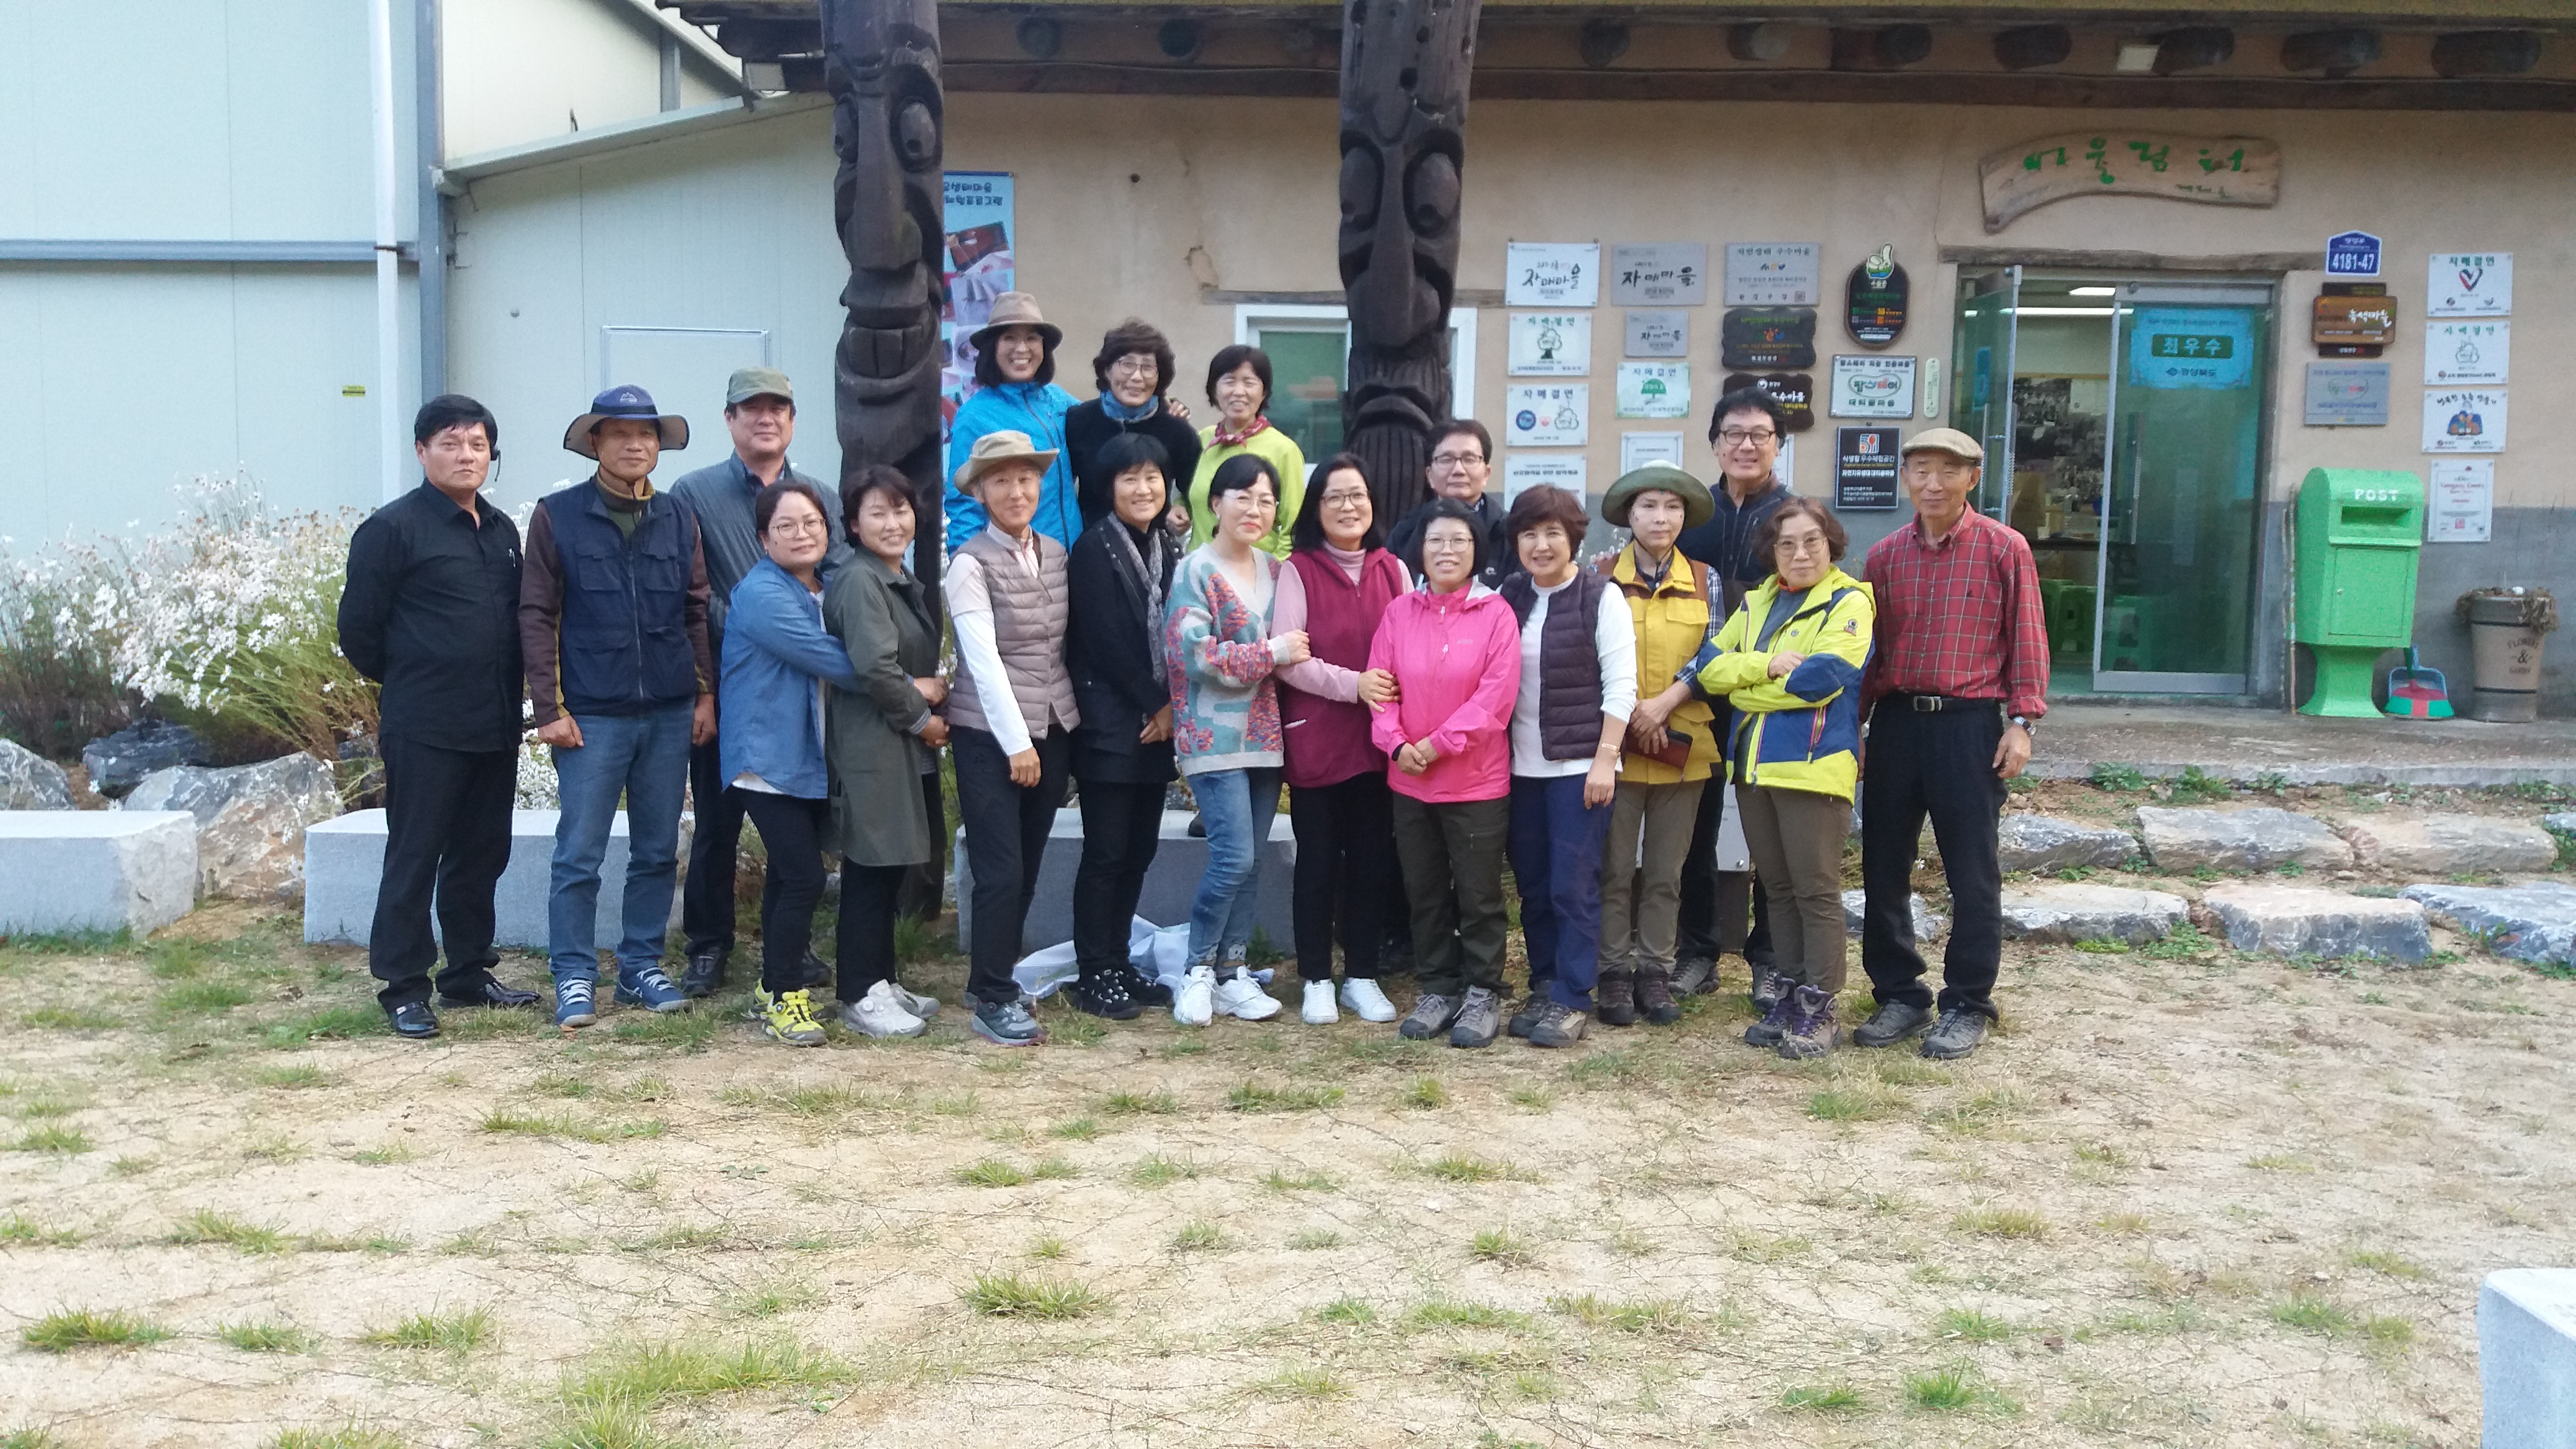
(1310,347)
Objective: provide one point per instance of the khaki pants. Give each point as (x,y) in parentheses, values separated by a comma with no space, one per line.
(1796,837)
(1641,873)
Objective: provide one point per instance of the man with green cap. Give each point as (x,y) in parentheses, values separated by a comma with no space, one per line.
(760,413)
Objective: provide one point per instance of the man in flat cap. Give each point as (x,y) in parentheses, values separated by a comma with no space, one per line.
(1957,683)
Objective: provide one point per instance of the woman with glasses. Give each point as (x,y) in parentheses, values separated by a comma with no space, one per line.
(1134,369)
(1238,383)
(1335,589)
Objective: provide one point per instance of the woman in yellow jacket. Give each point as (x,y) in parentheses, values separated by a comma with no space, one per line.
(1790,662)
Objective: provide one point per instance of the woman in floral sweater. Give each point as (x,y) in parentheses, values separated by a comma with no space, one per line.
(1225,725)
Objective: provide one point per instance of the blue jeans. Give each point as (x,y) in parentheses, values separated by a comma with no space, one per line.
(1236,806)
(644,758)
(1555,847)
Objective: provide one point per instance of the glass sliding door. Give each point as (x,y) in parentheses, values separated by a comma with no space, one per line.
(1981,377)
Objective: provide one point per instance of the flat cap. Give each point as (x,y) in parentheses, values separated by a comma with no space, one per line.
(1946,440)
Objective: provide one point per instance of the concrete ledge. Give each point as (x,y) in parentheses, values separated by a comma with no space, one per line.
(344,862)
(95,870)
(1171,882)
(2527,1357)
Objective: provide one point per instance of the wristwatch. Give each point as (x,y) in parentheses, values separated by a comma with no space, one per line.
(2027,727)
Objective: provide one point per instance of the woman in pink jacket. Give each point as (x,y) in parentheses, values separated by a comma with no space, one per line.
(1454,648)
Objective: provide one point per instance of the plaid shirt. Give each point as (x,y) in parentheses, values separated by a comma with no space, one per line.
(1960,617)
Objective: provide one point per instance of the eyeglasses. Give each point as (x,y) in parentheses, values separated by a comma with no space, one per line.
(1455,460)
(1133,366)
(1800,547)
(798,527)
(1346,499)
(1738,437)
(1448,545)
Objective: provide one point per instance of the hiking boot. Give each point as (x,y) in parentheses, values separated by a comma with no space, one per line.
(1959,1034)
(881,1012)
(1557,1026)
(1316,1007)
(1893,1022)
(1774,1024)
(789,1017)
(1811,1030)
(1525,1017)
(1241,997)
(649,989)
(705,975)
(1767,988)
(1479,1020)
(1655,996)
(1695,976)
(574,1003)
(1362,997)
(1614,1000)
(1105,995)
(1004,1023)
(1432,1013)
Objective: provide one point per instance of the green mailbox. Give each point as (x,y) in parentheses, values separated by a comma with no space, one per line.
(2358,532)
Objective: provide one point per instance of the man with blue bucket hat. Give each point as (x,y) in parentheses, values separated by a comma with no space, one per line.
(613,624)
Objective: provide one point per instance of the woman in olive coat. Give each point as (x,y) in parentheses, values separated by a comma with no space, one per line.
(880,741)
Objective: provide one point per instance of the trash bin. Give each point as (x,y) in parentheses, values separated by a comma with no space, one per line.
(2505,629)
(2357,533)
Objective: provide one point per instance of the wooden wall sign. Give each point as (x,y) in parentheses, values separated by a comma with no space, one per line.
(2350,323)
(1795,390)
(1874,298)
(1766,337)
(2212,170)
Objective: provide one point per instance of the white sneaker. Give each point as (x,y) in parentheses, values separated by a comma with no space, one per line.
(925,1007)
(881,1012)
(1239,995)
(1318,1008)
(1366,1001)
(1194,1003)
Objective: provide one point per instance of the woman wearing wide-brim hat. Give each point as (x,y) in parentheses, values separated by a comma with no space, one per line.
(1015,392)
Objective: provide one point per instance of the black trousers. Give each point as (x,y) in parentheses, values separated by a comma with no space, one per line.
(706,899)
(869,895)
(1706,891)
(1345,871)
(1006,837)
(1122,827)
(447,835)
(791,830)
(1940,765)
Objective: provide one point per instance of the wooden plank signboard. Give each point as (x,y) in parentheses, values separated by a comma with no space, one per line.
(2212,170)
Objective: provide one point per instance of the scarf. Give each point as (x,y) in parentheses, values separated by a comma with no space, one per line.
(1112,407)
(1223,439)
(1149,581)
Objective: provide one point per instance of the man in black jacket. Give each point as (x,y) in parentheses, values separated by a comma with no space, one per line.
(1462,460)
(430,612)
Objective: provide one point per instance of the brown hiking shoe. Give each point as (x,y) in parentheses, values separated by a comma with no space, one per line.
(1558,1026)
(1615,997)
(1812,1029)
(1655,997)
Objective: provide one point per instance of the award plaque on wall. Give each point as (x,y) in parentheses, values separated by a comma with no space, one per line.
(1874,298)
(1796,392)
(1767,337)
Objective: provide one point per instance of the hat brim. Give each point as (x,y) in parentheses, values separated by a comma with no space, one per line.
(577,439)
(1696,508)
(972,471)
(982,337)
(1944,450)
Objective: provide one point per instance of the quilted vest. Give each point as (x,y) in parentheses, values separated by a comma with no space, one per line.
(1569,663)
(1029,620)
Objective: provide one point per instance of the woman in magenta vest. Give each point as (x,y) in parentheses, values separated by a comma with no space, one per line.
(1338,582)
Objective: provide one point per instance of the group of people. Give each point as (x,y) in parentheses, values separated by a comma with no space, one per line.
(1133,599)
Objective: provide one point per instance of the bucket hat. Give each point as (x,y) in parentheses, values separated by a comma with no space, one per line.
(1015,309)
(996,448)
(1697,506)
(1946,440)
(625,400)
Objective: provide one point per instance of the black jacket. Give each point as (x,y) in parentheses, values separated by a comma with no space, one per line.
(1088,429)
(1501,559)
(430,611)
(1725,542)
(1109,649)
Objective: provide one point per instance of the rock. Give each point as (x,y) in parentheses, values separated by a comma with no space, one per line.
(2562,823)
(250,820)
(118,762)
(2302,921)
(2059,911)
(2449,844)
(1928,925)
(2527,1356)
(2256,839)
(2535,922)
(2044,842)
(95,870)
(29,781)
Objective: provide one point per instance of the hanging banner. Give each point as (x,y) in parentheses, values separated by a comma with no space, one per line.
(1765,337)
(1636,450)
(2469,284)
(1865,461)
(1550,344)
(1654,389)
(1658,334)
(2464,420)
(2191,347)
(1874,298)
(1659,274)
(2462,506)
(979,268)
(1524,471)
(1551,274)
(1872,387)
(2467,352)
(1774,274)
(1547,417)
(2215,171)
(1796,392)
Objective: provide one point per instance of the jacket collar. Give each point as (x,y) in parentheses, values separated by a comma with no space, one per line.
(1623,572)
(1759,601)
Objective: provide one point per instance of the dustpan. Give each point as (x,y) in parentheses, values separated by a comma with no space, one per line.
(2415,692)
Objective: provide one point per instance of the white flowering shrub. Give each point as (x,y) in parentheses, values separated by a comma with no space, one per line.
(537,786)
(58,685)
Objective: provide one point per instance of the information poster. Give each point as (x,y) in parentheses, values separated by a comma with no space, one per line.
(1871,387)
(1550,344)
(1551,274)
(1659,274)
(1654,389)
(1547,417)
(2464,420)
(1658,334)
(2462,508)
(2467,353)
(1524,471)
(2469,284)
(1774,274)
(1636,450)
(2191,347)
(979,268)
(1865,461)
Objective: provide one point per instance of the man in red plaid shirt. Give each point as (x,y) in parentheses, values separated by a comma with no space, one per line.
(1957,681)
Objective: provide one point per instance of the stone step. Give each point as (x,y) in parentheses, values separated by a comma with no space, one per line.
(344,862)
(2534,922)
(2069,912)
(95,870)
(2256,839)
(2448,844)
(1171,882)
(2286,920)
(2045,842)
(1929,925)
(2527,1357)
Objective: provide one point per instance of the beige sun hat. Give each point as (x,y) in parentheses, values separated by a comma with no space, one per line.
(1015,309)
(996,448)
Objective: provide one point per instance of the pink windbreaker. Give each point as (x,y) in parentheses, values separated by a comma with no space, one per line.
(1457,665)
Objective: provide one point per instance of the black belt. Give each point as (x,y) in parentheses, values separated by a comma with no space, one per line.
(1935,703)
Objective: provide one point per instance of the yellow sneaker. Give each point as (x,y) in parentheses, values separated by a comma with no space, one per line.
(789,1016)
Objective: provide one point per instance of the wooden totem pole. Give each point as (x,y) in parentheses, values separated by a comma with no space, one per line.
(1405,66)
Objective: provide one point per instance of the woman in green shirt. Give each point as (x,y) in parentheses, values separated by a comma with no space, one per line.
(1238,383)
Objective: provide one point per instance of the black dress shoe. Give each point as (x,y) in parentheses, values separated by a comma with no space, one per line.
(706,973)
(413,1020)
(490,993)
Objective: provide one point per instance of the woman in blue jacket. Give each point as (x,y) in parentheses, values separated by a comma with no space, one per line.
(1016,391)
(777,660)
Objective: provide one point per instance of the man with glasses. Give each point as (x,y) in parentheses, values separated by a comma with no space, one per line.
(1744,430)
(1462,459)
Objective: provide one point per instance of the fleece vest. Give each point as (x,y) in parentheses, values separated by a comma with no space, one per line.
(1029,620)
(1328,739)
(1569,663)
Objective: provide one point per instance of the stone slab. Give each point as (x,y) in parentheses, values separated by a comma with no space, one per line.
(2448,844)
(2535,922)
(250,820)
(2561,823)
(29,781)
(1171,882)
(2256,839)
(2079,911)
(2527,1357)
(1929,925)
(344,861)
(2302,921)
(95,870)
(2045,842)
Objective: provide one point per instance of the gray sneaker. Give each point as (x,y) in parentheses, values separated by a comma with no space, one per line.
(1006,1023)
(1431,1015)
(1480,1019)
(1811,1030)
(1959,1034)
(1526,1016)
(1558,1026)
(1694,976)
(1767,988)
(1893,1022)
